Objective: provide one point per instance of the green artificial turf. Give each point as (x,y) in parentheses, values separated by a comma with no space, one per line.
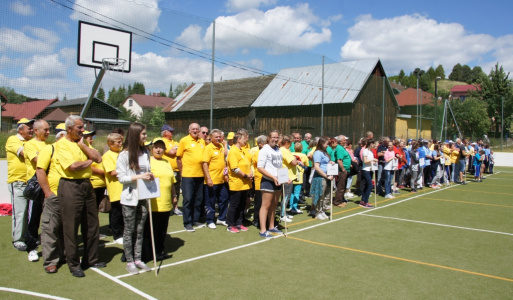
(356,257)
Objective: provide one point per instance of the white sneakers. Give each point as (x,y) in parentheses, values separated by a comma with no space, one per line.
(219,222)
(320,216)
(33,256)
(285,219)
(212,226)
(119,241)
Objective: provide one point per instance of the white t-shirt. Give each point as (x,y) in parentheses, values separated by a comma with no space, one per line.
(270,159)
(370,156)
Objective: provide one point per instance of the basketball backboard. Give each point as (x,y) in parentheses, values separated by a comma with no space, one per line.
(97,42)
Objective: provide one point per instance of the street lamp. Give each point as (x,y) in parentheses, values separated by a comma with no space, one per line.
(436,102)
(418,72)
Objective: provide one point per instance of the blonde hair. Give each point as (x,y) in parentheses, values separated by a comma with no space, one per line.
(112,137)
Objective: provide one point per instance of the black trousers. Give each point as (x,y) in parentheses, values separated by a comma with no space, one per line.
(236,209)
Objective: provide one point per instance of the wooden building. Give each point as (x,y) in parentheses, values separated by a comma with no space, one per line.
(357,97)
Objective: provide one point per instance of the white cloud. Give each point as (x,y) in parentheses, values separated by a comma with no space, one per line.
(410,41)
(28,40)
(22,8)
(191,37)
(143,16)
(284,26)
(242,5)
(47,67)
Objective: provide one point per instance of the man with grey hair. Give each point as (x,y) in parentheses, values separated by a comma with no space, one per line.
(17,180)
(76,197)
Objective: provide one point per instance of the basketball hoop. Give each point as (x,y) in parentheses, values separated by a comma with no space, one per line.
(114,64)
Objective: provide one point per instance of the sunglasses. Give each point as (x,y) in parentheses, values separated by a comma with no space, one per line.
(204,132)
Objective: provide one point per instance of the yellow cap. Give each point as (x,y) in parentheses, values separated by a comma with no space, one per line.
(61,126)
(25,121)
(89,132)
(230,135)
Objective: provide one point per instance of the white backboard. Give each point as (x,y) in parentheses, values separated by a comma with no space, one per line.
(96,42)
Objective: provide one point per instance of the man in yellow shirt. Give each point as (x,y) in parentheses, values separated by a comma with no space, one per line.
(17,180)
(170,155)
(189,158)
(52,240)
(216,188)
(73,158)
(31,151)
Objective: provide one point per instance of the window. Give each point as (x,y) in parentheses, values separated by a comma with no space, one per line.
(130,103)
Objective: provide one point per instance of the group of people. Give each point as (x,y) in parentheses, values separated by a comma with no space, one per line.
(216,176)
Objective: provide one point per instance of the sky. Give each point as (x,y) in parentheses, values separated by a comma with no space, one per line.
(172,40)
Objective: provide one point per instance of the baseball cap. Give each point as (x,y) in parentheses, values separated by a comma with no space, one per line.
(60,127)
(89,132)
(167,127)
(230,136)
(25,121)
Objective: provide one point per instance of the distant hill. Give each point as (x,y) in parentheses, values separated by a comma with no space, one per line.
(447,84)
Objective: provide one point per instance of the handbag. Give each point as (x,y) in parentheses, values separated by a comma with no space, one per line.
(33,190)
(105,205)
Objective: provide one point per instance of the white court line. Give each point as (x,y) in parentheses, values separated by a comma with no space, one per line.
(438,224)
(292,232)
(128,286)
(31,293)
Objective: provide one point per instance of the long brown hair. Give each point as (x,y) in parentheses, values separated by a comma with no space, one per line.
(320,145)
(133,144)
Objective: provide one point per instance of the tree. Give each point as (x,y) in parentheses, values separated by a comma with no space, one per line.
(440,72)
(432,74)
(117,97)
(466,74)
(162,94)
(476,74)
(126,115)
(494,90)
(158,118)
(471,116)
(12,96)
(180,88)
(138,88)
(457,73)
(100,94)
(171,95)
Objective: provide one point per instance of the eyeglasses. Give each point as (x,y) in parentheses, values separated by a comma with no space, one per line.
(204,132)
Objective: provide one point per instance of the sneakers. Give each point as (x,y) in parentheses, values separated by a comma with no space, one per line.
(285,219)
(312,213)
(463,183)
(219,222)
(350,195)
(33,256)
(296,211)
(189,228)
(198,225)
(324,215)
(413,190)
(119,241)
(142,266)
(242,228)
(211,226)
(177,212)
(366,205)
(320,216)
(389,196)
(275,230)
(397,192)
(20,246)
(132,269)
(232,229)
(265,235)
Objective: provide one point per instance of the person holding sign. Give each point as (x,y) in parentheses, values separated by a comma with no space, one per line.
(415,166)
(369,165)
(269,161)
(319,189)
(239,181)
(133,164)
(390,166)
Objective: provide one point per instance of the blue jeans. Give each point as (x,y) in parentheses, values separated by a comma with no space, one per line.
(217,192)
(389,174)
(381,176)
(192,192)
(368,186)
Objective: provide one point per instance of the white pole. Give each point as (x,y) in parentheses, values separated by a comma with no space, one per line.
(152,237)
(375,188)
(284,208)
(331,200)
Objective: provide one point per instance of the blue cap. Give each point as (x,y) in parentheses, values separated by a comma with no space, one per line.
(167,127)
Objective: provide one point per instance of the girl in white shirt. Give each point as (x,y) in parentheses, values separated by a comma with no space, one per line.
(368,161)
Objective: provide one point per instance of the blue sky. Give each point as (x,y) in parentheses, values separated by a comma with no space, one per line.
(38,47)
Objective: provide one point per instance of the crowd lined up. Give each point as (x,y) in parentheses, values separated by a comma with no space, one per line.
(218,178)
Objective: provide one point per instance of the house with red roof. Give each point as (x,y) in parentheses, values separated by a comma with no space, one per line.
(462,91)
(138,104)
(30,109)
(410,122)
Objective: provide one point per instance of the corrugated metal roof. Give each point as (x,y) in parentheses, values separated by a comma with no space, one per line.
(303,86)
(183,97)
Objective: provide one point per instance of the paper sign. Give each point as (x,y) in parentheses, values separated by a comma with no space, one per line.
(422,162)
(442,160)
(395,164)
(148,189)
(374,166)
(332,170)
(283,175)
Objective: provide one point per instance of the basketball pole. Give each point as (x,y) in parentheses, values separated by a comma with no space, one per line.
(93,92)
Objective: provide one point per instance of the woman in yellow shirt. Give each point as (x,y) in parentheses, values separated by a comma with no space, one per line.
(239,181)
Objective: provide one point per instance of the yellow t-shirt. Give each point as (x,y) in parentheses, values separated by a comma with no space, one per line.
(114,187)
(66,153)
(214,156)
(191,152)
(31,150)
(287,162)
(97,180)
(162,170)
(169,145)
(16,168)
(238,158)
(257,178)
(455,156)
(43,161)
(300,170)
